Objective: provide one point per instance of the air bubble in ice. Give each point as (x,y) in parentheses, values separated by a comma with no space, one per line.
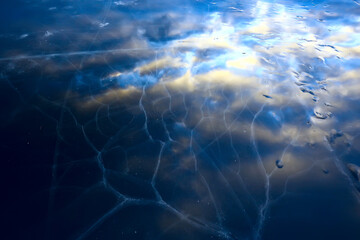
(279,163)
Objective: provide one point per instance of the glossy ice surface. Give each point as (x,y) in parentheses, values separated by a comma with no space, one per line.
(171,119)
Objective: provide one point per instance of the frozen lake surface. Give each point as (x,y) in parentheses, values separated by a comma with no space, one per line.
(189,119)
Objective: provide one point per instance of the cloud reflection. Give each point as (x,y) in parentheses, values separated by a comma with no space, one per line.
(211,115)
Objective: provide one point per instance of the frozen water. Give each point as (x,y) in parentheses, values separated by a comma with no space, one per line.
(180,119)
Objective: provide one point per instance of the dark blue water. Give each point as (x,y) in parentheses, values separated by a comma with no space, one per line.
(180,119)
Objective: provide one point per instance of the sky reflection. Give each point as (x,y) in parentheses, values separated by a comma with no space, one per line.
(181,119)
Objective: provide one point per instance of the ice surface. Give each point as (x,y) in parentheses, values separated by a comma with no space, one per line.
(180,119)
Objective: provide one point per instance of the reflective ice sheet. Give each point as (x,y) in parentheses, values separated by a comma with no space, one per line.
(180,119)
